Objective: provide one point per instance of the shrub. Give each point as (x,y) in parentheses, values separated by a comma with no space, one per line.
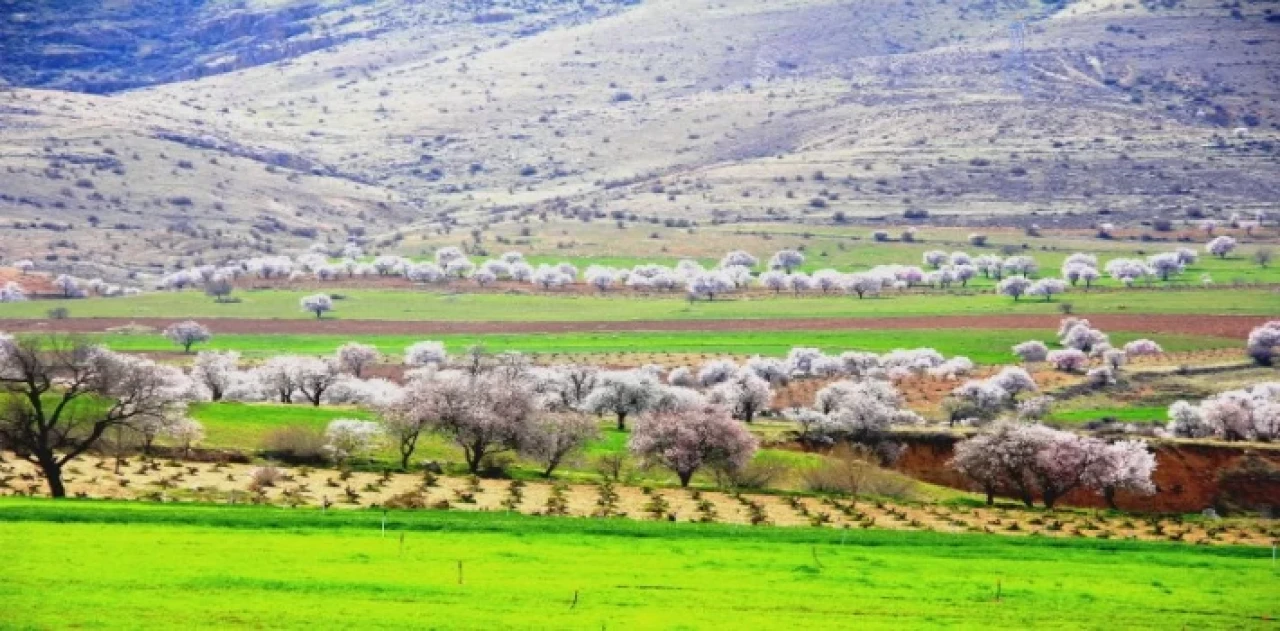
(757,474)
(264,477)
(853,470)
(297,444)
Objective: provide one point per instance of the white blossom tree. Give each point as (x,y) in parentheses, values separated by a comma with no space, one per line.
(318,304)
(12,292)
(1142,348)
(426,354)
(786,260)
(739,258)
(1031,351)
(68,285)
(214,371)
(622,394)
(709,285)
(745,394)
(1221,246)
(315,376)
(187,334)
(187,433)
(354,358)
(1263,343)
(1047,287)
(715,372)
(1068,360)
(1166,264)
(351,439)
(1014,287)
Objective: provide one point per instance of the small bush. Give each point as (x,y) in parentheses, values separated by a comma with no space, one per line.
(264,477)
(855,470)
(295,444)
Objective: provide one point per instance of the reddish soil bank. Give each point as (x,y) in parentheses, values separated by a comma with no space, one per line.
(1216,325)
(1189,477)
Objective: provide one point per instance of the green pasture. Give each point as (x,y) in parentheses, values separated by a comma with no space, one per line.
(108,565)
(1133,414)
(851,248)
(622,305)
(985,346)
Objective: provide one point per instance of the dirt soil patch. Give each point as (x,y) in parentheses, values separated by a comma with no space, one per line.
(1210,325)
(159,481)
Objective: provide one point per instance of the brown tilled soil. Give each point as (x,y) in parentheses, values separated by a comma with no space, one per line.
(1215,325)
(232,483)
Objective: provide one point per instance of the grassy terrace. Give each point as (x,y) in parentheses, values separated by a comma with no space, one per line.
(622,305)
(982,346)
(135,565)
(245,426)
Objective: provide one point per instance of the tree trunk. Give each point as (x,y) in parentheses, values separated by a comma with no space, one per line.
(1050,498)
(1109,494)
(991,496)
(473,456)
(53,474)
(622,421)
(684,478)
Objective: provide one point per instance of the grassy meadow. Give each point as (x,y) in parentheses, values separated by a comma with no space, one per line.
(622,305)
(984,346)
(130,565)
(849,248)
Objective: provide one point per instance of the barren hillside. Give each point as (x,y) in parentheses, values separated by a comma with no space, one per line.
(311,121)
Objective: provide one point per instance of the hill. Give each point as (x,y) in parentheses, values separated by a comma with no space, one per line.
(383,119)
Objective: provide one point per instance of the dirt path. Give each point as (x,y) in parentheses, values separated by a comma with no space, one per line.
(1215,325)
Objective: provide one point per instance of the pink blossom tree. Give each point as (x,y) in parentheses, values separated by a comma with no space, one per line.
(690,440)
(551,438)
(1068,360)
(483,413)
(1125,465)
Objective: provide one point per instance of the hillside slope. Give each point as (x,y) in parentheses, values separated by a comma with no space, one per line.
(750,109)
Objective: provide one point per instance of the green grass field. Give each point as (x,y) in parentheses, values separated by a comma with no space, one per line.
(623,306)
(114,565)
(1134,414)
(982,346)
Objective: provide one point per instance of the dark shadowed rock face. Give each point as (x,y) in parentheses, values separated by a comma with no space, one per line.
(97,46)
(103,46)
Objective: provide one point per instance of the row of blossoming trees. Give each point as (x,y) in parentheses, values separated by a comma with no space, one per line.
(736,271)
(684,419)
